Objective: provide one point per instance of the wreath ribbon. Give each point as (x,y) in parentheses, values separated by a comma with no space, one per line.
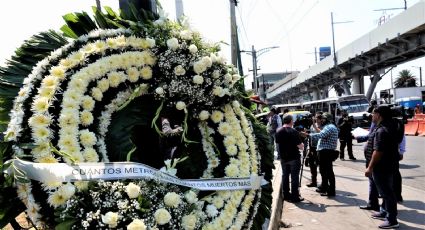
(62,172)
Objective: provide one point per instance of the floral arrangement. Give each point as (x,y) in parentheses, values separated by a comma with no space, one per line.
(86,100)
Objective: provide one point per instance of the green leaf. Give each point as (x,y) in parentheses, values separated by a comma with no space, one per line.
(65,225)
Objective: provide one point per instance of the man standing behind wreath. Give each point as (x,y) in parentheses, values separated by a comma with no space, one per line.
(289,141)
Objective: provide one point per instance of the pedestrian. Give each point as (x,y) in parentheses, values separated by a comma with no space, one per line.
(345,125)
(384,164)
(399,121)
(313,160)
(418,109)
(372,105)
(274,122)
(290,145)
(326,148)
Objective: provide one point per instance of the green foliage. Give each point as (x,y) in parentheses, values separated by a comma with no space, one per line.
(405,79)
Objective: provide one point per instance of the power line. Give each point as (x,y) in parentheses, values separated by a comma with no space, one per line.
(243,25)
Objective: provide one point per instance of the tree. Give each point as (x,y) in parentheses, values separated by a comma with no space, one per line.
(405,79)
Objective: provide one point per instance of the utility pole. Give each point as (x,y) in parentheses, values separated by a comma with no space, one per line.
(420,74)
(233,33)
(98,5)
(148,5)
(255,54)
(179,9)
(315,54)
(333,36)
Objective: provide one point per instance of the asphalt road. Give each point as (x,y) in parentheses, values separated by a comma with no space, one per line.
(412,167)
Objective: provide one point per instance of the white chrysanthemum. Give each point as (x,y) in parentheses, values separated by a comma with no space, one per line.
(218,202)
(232,170)
(67,190)
(137,224)
(229,140)
(172,199)
(211,210)
(97,94)
(232,150)
(56,199)
(197,79)
(133,74)
(173,44)
(78,85)
(86,118)
(189,222)
(50,81)
(81,185)
(236,104)
(179,70)
(58,72)
(146,73)
(42,149)
(87,103)
(224,128)
(46,159)
(151,42)
(199,67)
(193,49)
(41,104)
(144,88)
(39,120)
(69,117)
(115,78)
(103,84)
(90,155)
(217,116)
(180,105)
(162,216)
(132,190)
(228,77)
(236,77)
(87,138)
(47,92)
(218,91)
(100,46)
(41,133)
(67,63)
(191,197)
(159,91)
(111,219)
(204,115)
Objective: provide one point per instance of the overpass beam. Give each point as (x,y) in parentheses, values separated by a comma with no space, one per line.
(357,85)
(374,81)
(346,87)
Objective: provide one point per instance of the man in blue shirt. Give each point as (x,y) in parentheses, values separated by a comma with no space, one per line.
(326,147)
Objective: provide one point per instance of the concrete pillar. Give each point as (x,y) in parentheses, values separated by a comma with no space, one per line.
(376,78)
(316,94)
(357,85)
(346,87)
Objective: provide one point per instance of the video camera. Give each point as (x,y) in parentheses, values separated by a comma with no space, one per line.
(303,122)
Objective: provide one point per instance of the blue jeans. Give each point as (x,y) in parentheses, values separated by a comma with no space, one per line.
(384,182)
(291,168)
(373,191)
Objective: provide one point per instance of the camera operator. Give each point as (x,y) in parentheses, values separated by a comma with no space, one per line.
(345,125)
(312,159)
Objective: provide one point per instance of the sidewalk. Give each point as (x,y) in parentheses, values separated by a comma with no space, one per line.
(342,211)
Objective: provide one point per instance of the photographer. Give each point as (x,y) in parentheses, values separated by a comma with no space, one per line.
(312,159)
(345,125)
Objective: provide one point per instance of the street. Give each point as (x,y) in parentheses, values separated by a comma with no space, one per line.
(412,167)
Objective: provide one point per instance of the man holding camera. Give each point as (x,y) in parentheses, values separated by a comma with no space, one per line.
(345,124)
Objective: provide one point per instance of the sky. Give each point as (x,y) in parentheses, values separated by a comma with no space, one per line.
(295,26)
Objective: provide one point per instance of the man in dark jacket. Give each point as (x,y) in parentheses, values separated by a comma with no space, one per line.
(345,124)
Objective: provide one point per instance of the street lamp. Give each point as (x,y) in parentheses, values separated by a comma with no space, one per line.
(255,54)
(333,36)
(420,74)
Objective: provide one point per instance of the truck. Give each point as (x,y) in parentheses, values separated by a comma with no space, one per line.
(406,96)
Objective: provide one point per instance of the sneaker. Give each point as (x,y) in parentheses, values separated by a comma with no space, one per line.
(379,215)
(388,225)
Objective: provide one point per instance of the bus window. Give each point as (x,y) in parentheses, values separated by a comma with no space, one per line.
(325,107)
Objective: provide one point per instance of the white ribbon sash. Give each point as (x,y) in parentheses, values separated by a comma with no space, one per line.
(62,172)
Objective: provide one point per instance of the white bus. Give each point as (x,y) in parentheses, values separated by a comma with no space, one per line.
(290,107)
(355,105)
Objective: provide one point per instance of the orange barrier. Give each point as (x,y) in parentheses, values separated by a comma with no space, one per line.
(421,128)
(411,128)
(419,116)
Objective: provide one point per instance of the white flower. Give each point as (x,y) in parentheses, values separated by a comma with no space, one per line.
(236,104)
(146,73)
(41,104)
(204,115)
(173,43)
(137,224)
(179,70)
(236,77)
(180,105)
(81,185)
(90,155)
(151,42)
(162,216)
(206,61)
(115,78)
(103,84)
(111,219)
(193,49)
(97,94)
(217,116)
(132,190)
(197,79)
(189,222)
(191,197)
(87,103)
(218,202)
(159,91)
(68,190)
(228,77)
(216,74)
(211,210)
(232,150)
(86,118)
(58,72)
(224,128)
(186,34)
(172,199)
(199,67)
(232,170)
(133,74)
(218,91)
(87,138)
